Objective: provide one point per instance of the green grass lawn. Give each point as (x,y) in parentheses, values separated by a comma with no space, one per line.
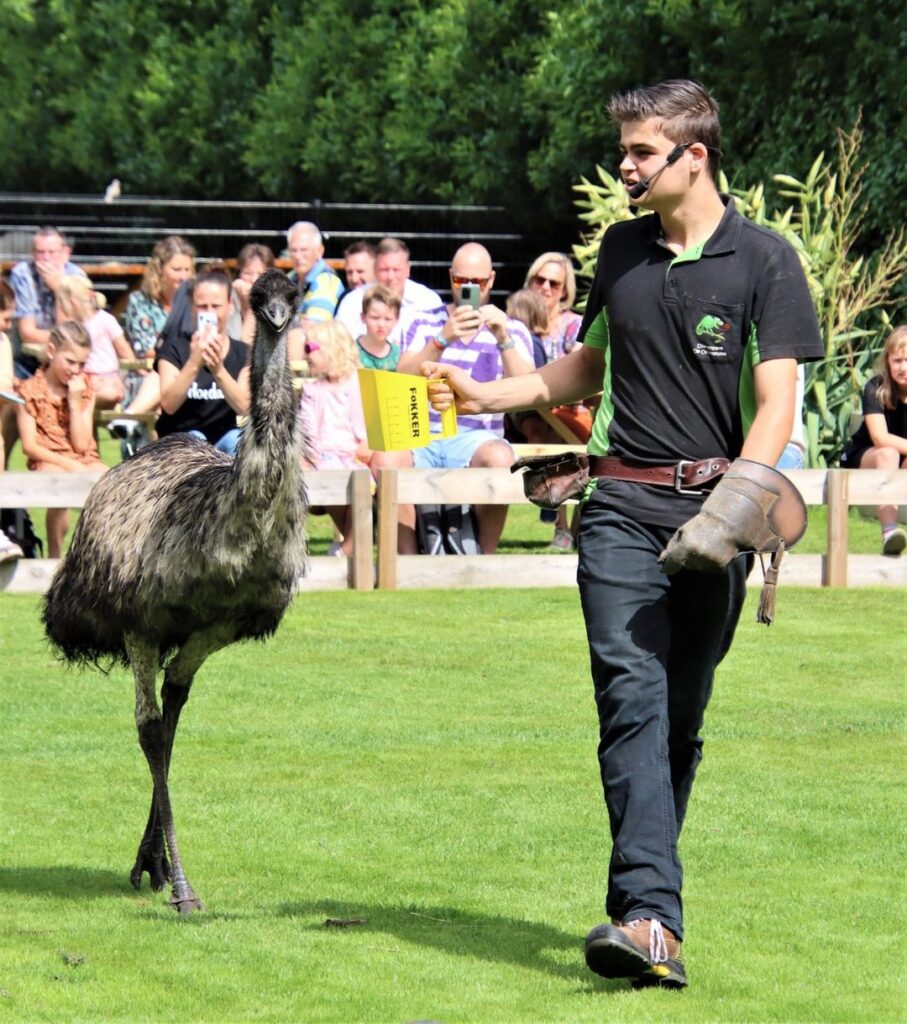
(425,761)
(524,532)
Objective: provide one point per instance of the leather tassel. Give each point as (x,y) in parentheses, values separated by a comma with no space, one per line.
(765,613)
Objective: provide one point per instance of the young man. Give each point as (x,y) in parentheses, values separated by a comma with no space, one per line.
(693,330)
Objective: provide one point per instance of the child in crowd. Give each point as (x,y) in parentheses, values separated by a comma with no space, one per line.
(332,415)
(881,440)
(8,548)
(528,306)
(56,421)
(380,313)
(76,300)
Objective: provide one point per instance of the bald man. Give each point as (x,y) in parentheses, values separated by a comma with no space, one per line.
(487,345)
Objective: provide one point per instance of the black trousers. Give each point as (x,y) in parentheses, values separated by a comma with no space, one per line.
(654,642)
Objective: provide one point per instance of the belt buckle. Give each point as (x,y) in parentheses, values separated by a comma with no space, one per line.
(678,477)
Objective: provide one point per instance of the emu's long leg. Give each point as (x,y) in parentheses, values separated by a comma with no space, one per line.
(156,734)
(151,856)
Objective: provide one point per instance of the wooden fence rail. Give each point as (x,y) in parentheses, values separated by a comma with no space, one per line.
(836,489)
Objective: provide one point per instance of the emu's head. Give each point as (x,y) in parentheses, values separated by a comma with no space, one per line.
(273,300)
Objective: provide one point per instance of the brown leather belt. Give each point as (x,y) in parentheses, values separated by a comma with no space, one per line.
(684,477)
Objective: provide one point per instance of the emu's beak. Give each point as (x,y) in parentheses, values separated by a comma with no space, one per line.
(278,313)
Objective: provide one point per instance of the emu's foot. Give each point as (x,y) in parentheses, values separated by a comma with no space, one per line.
(184,900)
(156,865)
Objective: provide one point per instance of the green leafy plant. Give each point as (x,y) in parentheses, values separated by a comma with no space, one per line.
(854,295)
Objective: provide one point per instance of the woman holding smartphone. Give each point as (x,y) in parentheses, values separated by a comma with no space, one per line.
(205,378)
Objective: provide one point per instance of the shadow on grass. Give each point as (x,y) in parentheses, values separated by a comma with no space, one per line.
(462,933)
(64,881)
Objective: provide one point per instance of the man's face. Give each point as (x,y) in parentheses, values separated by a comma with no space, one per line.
(304,251)
(471,268)
(50,249)
(392,270)
(359,269)
(644,150)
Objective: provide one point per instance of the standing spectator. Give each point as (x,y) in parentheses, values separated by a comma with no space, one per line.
(661,591)
(392,268)
(332,415)
(488,346)
(205,380)
(253,260)
(78,301)
(359,264)
(56,423)
(319,285)
(881,440)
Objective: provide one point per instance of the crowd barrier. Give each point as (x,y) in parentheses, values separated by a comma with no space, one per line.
(375,562)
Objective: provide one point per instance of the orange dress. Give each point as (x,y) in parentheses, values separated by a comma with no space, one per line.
(51,414)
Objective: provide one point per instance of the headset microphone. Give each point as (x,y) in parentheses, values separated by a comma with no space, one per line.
(642,186)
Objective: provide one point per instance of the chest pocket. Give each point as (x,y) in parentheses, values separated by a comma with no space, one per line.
(713,331)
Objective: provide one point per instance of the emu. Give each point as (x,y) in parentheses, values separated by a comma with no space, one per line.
(182,550)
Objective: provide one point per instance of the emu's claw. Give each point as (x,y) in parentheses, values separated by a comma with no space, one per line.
(184,900)
(158,869)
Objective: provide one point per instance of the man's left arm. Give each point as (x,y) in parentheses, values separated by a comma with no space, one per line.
(514,348)
(775,384)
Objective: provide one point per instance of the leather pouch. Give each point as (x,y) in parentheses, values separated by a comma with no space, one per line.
(550,480)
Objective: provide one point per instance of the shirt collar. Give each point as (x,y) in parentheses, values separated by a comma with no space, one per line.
(319,267)
(722,240)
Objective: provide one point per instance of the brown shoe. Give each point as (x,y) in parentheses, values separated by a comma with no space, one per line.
(642,950)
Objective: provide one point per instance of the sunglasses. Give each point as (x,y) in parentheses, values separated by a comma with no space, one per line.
(460,281)
(540,281)
(310,346)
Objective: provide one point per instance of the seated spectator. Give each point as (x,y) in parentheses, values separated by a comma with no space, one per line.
(205,378)
(392,269)
(253,260)
(56,423)
(35,284)
(332,416)
(172,263)
(528,307)
(319,285)
(78,301)
(380,313)
(8,549)
(881,440)
(487,345)
(552,276)
(359,264)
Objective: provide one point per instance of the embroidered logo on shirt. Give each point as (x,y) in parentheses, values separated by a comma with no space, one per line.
(713,329)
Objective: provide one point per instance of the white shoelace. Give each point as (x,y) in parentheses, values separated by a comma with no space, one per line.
(658,945)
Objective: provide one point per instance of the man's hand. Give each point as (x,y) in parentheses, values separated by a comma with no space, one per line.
(50,273)
(495,320)
(449,385)
(463,324)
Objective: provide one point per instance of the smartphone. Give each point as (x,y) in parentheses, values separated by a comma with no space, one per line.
(206,319)
(470,295)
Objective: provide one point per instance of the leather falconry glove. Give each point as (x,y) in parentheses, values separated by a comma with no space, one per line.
(753,508)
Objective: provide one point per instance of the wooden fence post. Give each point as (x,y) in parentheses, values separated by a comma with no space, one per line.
(834,568)
(360,499)
(387,529)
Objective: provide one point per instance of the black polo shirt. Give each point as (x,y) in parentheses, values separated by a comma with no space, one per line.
(681,336)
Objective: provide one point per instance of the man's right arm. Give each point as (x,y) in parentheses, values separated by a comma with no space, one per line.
(567,380)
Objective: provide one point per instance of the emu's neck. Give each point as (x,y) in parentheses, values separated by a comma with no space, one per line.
(267,468)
